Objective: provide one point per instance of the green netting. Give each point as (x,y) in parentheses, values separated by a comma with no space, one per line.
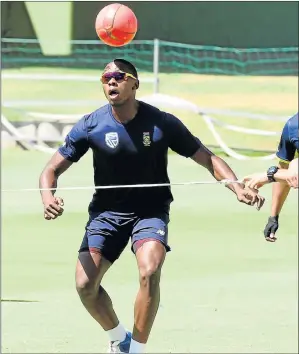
(85,54)
(228,61)
(173,57)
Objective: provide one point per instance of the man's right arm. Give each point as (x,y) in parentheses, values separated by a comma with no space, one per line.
(48,179)
(75,146)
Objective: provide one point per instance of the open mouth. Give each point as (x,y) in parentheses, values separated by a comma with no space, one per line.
(113,93)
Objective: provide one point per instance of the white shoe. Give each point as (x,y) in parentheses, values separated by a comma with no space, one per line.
(120,347)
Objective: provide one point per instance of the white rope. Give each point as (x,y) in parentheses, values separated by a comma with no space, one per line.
(227,149)
(180,103)
(224,181)
(244,130)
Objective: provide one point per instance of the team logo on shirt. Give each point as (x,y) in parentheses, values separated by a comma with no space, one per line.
(111,140)
(146,139)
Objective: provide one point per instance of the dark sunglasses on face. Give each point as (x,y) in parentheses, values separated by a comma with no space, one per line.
(117,76)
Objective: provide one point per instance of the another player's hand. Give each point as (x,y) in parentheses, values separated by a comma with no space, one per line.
(53,208)
(271,228)
(292,180)
(256,181)
(251,197)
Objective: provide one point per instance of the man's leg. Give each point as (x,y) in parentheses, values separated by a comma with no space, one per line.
(150,257)
(90,270)
(102,244)
(150,244)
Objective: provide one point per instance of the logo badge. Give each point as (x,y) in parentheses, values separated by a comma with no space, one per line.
(111,140)
(146,139)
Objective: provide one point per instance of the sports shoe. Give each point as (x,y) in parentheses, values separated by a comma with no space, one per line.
(121,347)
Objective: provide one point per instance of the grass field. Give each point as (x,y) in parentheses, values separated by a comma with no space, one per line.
(224,289)
(263,95)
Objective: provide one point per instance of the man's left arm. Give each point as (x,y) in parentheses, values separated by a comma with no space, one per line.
(220,170)
(183,142)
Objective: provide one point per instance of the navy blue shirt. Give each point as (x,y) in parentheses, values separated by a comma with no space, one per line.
(132,153)
(289,145)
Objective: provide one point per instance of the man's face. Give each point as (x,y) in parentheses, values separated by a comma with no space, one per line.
(118,87)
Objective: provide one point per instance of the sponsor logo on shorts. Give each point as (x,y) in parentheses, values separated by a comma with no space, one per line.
(161,232)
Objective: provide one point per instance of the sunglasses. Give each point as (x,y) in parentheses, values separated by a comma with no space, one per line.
(117,76)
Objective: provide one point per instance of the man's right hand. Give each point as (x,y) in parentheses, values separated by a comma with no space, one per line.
(53,208)
(271,228)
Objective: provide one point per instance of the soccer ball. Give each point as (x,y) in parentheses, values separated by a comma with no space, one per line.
(116,25)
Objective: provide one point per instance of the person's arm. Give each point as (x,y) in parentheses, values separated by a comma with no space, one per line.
(48,179)
(184,143)
(75,146)
(220,170)
(287,177)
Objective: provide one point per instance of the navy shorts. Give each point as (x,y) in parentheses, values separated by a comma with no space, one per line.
(109,232)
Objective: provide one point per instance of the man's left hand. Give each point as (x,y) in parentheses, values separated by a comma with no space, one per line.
(251,197)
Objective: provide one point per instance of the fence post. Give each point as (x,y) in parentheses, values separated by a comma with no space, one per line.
(156,65)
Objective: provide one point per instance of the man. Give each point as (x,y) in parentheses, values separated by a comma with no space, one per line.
(129,140)
(274,174)
(287,151)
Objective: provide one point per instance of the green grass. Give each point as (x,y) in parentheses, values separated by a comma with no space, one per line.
(224,289)
(264,95)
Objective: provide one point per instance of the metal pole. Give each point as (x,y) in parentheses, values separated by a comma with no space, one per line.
(156,65)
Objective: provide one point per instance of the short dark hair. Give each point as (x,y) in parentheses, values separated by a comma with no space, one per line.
(125,65)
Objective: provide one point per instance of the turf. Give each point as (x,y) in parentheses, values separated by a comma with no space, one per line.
(224,289)
(263,95)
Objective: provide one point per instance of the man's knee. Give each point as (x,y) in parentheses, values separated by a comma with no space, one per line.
(150,270)
(86,288)
(149,274)
(90,270)
(150,258)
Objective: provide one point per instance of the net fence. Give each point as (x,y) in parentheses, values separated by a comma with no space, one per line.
(85,54)
(228,61)
(167,56)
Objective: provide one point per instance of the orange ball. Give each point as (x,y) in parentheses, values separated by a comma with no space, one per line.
(116,25)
